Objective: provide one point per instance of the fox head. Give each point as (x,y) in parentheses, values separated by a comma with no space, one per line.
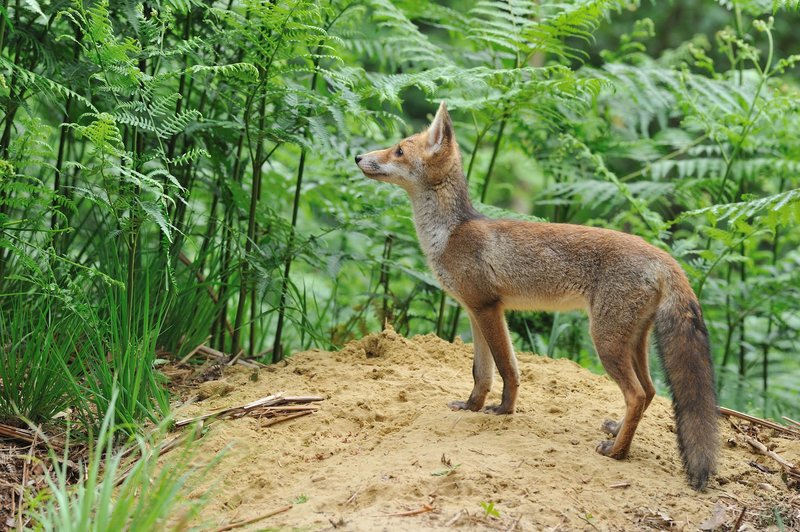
(420,162)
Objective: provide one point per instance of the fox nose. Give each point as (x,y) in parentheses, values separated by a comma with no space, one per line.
(358,159)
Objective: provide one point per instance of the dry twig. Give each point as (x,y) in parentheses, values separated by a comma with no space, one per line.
(761,448)
(239,524)
(266,405)
(739,519)
(194,351)
(763,422)
(273,421)
(424,509)
(453,520)
(792,421)
(354,495)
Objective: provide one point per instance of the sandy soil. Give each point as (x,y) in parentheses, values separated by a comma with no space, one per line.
(384,442)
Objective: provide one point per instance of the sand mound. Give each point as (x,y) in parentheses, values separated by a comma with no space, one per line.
(384,442)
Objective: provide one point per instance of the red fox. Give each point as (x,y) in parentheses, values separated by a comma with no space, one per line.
(625,284)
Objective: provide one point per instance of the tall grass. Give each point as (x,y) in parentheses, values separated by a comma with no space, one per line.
(119,488)
(38,373)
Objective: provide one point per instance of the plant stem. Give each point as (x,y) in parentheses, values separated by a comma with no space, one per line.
(277,348)
(258,162)
(440,317)
(384,280)
(3,27)
(495,151)
(742,316)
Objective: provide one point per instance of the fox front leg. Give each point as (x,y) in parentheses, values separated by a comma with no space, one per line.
(491,321)
(482,372)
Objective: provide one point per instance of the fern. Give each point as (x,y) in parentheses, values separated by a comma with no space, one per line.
(782,209)
(524,29)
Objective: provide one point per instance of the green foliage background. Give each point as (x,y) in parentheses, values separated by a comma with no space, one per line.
(180,171)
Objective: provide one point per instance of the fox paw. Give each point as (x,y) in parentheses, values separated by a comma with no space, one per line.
(498,409)
(611,426)
(605,448)
(463,405)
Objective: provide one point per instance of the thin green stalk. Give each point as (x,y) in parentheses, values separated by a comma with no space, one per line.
(13,99)
(257,162)
(181,83)
(478,140)
(770,320)
(384,282)
(5,139)
(227,246)
(440,317)
(750,120)
(277,348)
(731,325)
(720,256)
(3,28)
(62,145)
(495,151)
(742,316)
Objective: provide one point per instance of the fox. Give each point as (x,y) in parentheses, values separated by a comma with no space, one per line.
(627,286)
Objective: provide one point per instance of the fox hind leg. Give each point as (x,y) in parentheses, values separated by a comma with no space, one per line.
(482,372)
(619,357)
(642,369)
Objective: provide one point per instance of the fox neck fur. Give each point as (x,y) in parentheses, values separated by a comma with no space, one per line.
(439,210)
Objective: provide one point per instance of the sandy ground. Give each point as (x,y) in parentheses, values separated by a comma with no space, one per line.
(384,442)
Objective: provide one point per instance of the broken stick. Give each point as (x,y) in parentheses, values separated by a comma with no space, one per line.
(264,401)
(239,524)
(425,508)
(761,448)
(274,420)
(763,422)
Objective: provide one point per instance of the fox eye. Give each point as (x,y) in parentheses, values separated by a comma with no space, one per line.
(399,152)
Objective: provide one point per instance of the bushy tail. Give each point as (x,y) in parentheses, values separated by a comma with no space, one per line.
(682,341)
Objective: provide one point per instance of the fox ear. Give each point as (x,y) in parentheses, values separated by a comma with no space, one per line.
(441,129)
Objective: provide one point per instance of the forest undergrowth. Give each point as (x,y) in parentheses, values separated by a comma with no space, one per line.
(177,173)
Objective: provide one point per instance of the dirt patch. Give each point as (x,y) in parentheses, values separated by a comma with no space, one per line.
(384,442)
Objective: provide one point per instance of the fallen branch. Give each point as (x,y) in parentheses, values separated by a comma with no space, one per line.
(764,422)
(239,524)
(272,404)
(277,411)
(235,358)
(29,436)
(264,401)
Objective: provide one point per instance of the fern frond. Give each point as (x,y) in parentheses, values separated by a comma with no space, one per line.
(782,208)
